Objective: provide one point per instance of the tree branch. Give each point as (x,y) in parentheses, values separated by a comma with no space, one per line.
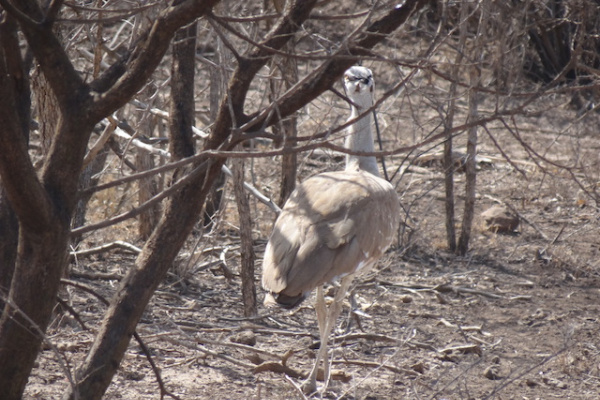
(125,78)
(295,14)
(23,188)
(313,85)
(66,83)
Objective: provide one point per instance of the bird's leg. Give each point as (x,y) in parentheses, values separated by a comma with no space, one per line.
(335,309)
(354,314)
(333,312)
(324,331)
(310,385)
(353,306)
(321,309)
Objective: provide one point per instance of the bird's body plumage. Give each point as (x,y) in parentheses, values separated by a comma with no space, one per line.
(334,224)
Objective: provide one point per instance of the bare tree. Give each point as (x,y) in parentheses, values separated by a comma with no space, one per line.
(44,203)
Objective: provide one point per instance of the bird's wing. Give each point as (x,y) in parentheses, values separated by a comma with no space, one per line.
(332,225)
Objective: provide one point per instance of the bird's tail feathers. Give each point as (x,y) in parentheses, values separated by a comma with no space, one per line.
(282,300)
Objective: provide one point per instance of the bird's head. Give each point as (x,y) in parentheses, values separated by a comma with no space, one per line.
(359,85)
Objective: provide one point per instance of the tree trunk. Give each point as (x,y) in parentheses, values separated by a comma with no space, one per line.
(147,189)
(9,228)
(218,80)
(449,184)
(182,107)
(247,249)
(136,289)
(42,250)
(10,56)
(46,108)
(470,167)
(24,321)
(41,236)
(287,129)
(179,217)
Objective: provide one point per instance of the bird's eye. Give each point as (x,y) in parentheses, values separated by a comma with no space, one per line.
(363,80)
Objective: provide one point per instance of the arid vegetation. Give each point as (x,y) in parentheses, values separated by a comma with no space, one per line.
(145,148)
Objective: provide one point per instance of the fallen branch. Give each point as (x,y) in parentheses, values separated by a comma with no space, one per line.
(372,364)
(195,346)
(104,276)
(271,366)
(241,346)
(118,244)
(367,336)
(445,288)
(469,348)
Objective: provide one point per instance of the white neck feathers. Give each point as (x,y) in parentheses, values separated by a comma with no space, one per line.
(360,139)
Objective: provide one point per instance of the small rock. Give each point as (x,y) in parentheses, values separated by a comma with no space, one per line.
(492,372)
(406,299)
(531,383)
(500,219)
(244,337)
(418,367)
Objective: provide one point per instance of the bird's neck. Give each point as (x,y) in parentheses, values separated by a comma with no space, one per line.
(360,139)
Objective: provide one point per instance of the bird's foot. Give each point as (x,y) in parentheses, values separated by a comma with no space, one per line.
(309,386)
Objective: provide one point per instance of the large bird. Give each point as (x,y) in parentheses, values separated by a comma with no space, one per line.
(333,226)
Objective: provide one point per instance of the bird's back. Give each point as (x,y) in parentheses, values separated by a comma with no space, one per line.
(333,224)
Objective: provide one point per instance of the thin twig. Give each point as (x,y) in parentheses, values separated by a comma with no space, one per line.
(163,390)
(74,313)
